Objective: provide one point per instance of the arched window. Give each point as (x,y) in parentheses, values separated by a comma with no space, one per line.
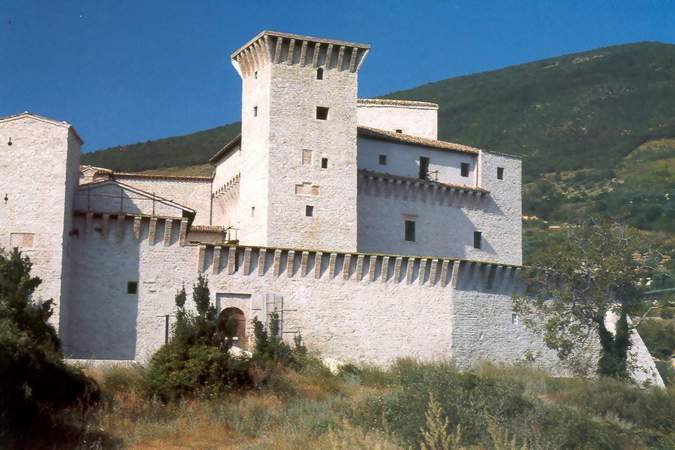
(232,322)
(319,73)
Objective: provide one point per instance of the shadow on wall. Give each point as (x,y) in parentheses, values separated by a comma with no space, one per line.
(104,293)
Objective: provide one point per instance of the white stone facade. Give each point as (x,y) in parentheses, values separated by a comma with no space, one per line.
(372,238)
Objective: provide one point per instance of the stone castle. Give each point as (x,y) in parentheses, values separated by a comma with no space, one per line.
(367,234)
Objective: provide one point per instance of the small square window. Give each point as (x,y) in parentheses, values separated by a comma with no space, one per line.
(306,157)
(477,239)
(500,173)
(410,230)
(398,130)
(309,210)
(324,163)
(322,113)
(132,287)
(383,160)
(465,169)
(255,111)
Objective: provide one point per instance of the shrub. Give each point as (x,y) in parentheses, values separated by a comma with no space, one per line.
(659,337)
(196,361)
(37,386)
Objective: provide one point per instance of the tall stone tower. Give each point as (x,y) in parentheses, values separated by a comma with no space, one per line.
(299,127)
(39,168)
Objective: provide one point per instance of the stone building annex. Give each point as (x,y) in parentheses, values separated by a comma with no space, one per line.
(348,216)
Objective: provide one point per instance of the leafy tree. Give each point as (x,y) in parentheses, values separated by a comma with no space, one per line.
(35,383)
(576,282)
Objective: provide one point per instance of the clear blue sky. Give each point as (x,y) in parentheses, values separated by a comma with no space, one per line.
(123,71)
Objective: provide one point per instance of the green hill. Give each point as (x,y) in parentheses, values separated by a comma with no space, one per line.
(596,131)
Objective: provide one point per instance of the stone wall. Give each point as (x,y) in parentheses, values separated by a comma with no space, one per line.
(415,118)
(445,218)
(404,160)
(193,192)
(354,307)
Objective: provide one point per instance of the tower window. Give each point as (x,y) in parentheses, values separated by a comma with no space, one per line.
(465,169)
(477,239)
(500,173)
(306,156)
(132,287)
(319,73)
(309,210)
(324,163)
(410,230)
(321,113)
(382,160)
(424,167)
(255,111)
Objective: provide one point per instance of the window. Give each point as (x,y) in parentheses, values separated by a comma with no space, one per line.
(324,163)
(252,211)
(309,210)
(319,73)
(424,167)
(322,113)
(382,159)
(255,74)
(410,230)
(132,287)
(465,169)
(500,173)
(477,239)
(255,111)
(398,130)
(514,318)
(306,157)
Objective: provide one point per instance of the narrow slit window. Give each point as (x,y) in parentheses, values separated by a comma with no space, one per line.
(132,287)
(255,111)
(465,169)
(409,230)
(324,163)
(500,173)
(255,74)
(252,211)
(424,167)
(309,210)
(477,239)
(382,160)
(319,73)
(321,113)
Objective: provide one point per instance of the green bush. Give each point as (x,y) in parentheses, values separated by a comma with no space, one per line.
(196,361)
(659,337)
(533,409)
(36,385)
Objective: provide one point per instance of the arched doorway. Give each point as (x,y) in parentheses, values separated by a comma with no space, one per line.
(233,320)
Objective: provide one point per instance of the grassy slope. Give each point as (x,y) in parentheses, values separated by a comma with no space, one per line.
(373,408)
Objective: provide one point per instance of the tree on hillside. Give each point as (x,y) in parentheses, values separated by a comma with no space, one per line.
(574,284)
(35,383)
